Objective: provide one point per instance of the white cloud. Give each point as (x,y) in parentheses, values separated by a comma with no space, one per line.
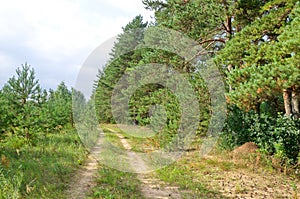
(132,6)
(5,70)
(58,34)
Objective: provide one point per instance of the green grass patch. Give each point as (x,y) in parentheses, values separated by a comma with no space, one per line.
(195,173)
(184,177)
(42,169)
(138,144)
(114,184)
(112,138)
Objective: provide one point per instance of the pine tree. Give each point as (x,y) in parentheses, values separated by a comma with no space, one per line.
(24,95)
(263,59)
(59,107)
(209,22)
(122,54)
(24,88)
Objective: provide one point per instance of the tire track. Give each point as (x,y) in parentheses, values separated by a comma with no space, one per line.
(151,187)
(84,179)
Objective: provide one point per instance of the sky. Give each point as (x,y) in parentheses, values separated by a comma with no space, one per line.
(55,37)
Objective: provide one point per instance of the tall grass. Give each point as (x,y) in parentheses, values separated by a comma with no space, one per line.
(42,168)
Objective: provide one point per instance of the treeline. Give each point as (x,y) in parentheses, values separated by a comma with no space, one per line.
(255,45)
(28,111)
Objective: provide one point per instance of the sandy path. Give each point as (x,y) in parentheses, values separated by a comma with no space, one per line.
(151,187)
(84,179)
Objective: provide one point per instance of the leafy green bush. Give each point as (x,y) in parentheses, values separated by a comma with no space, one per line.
(287,136)
(280,136)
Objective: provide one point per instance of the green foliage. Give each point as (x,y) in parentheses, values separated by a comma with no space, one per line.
(196,18)
(7,113)
(58,108)
(85,118)
(210,22)
(24,89)
(254,42)
(116,184)
(122,55)
(145,105)
(41,170)
(280,136)
(149,97)
(27,111)
(10,184)
(287,137)
(263,56)
(262,61)
(78,106)
(22,98)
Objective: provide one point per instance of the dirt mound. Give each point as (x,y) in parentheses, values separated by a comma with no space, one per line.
(248,147)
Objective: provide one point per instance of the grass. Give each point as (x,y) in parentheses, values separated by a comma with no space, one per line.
(112,181)
(138,144)
(189,173)
(176,172)
(112,138)
(42,169)
(222,175)
(114,184)
(179,172)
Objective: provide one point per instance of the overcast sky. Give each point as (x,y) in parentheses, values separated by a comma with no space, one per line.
(56,36)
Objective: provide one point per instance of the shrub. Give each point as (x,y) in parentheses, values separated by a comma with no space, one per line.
(287,137)
(280,136)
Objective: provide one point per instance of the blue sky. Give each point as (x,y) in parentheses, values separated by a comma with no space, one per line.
(56,36)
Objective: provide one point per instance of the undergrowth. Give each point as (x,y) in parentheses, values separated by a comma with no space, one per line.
(41,170)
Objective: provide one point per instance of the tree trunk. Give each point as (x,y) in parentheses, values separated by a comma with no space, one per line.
(229,27)
(257,107)
(229,68)
(287,102)
(295,103)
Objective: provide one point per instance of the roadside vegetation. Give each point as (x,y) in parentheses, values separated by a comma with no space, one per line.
(219,175)
(39,147)
(243,172)
(42,170)
(254,44)
(114,184)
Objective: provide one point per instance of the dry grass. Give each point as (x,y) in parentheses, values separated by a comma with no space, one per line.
(221,176)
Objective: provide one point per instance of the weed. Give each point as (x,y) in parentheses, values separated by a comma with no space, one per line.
(41,170)
(10,184)
(180,174)
(295,189)
(239,188)
(116,184)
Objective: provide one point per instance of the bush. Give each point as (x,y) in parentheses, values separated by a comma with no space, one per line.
(280,136)
(287,136)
